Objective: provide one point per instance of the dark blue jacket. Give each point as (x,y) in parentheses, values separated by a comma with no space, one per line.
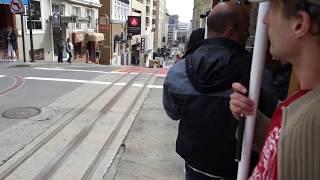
(196,92)
(13,40)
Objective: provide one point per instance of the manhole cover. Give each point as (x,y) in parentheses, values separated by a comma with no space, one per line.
(21,113)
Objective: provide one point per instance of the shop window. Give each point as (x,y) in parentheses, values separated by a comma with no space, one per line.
(36,18)
(77,12)
(91,18)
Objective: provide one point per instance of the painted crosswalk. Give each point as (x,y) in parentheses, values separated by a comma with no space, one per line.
(162,72)
(1,76)
(80,70)
(89,82)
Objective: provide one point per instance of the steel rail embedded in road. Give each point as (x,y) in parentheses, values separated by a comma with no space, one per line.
(44,141)
(54,164)
(96,162)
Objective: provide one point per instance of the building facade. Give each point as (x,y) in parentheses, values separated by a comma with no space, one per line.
(115,46)
(141,45)
(42,31)
(161,24)
(172,29)
(183,32)
(200,7)
(77,18)
(149,32)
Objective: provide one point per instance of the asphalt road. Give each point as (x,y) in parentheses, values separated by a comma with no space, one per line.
(36,93)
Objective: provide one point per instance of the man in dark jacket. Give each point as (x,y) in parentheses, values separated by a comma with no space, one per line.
(60,47)
(11,44)
(196,92)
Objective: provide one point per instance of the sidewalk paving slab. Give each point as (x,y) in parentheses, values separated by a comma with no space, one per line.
(149,149)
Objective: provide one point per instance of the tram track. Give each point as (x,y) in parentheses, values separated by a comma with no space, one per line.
(96,162)
(8,171)
(54,164)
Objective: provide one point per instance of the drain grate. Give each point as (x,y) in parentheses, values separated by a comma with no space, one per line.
(21,113)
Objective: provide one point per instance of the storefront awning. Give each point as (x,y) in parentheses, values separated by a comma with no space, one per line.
(25,2)
(95,37)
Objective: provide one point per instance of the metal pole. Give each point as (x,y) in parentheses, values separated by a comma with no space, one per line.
(30,29)
(23,40)
(259,54)
(205,28)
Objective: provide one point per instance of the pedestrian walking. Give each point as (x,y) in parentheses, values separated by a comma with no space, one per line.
(69,49)
(11,44)
(60,47)
(291,148)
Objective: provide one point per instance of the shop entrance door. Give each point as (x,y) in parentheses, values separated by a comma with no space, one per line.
(6,20)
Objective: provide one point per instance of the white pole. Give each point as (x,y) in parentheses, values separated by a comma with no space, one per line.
(206,29)
(259,54)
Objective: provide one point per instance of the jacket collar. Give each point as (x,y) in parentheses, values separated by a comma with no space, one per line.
(222,42)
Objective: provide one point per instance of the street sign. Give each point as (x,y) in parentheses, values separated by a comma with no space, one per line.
(56,19)
(142,45)
(17,7)
(134,25)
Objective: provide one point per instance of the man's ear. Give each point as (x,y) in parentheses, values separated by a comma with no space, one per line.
(301,24)
(229,32)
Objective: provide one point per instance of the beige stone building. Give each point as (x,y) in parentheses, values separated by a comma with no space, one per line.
(201,6)
(161,24)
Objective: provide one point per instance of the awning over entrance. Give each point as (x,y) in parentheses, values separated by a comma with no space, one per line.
(95,37)
(78,37)
(26,2)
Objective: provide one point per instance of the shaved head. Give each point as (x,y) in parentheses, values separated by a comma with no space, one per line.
(228,20)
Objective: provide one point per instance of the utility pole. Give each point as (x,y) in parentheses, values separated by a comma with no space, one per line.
(23,41)
(30,29)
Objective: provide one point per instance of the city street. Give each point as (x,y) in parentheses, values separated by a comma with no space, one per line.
(85,121)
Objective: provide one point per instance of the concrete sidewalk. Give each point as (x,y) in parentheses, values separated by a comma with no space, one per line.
(149,149)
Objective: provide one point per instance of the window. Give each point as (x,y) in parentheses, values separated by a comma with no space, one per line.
(58,8)
(91,17)
(77,12)
(36,18)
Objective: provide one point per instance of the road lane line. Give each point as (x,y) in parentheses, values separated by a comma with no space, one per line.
(137,85)
(79,70)
(68,80)
(155,86)
(90,82)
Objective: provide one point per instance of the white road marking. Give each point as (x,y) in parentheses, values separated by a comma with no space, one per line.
(68,80)
(79,70)
(120,84)
(137,85)
(155,86)
(90,82)
(1,76)
(161,75)
(116,72)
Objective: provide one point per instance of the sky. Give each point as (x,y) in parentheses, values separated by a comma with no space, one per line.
(184,8)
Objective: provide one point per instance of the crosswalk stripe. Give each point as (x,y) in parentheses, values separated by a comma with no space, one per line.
(79,70)
(90,82)
(1,76)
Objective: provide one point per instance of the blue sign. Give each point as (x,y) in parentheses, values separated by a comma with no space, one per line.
(25,2)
